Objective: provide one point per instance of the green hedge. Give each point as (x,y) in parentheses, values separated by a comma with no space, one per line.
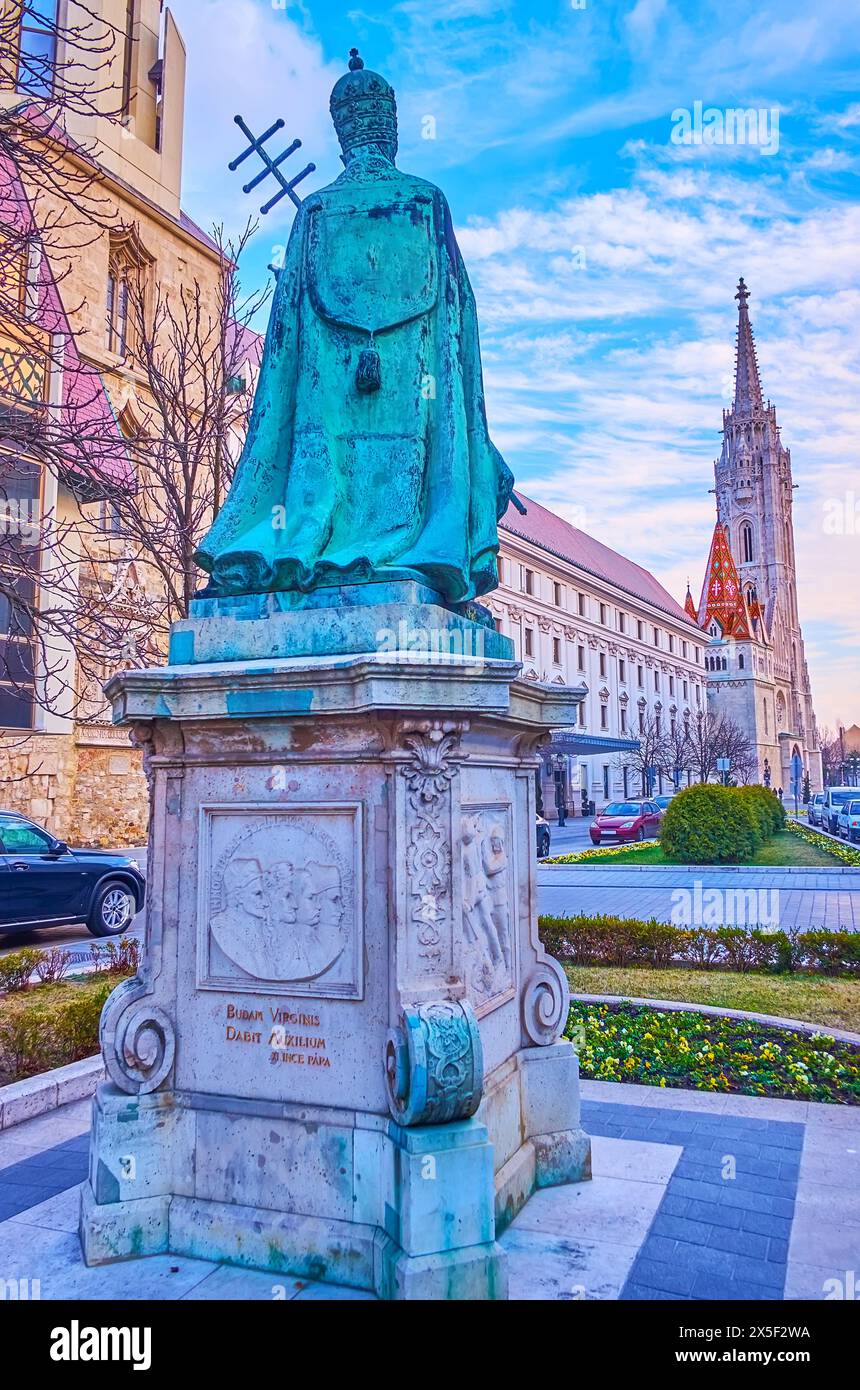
(38,1036)
(767,809)
(621,941)
(51,1023)
(712,824)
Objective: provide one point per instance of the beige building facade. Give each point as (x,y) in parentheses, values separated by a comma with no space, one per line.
(580,614)
(61,761)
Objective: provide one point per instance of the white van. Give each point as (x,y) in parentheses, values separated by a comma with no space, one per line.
(834,799)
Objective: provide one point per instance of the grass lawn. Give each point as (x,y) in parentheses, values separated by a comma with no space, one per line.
(834,1003)
(782,850)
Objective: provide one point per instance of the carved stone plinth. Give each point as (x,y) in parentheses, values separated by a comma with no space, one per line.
(341,1058)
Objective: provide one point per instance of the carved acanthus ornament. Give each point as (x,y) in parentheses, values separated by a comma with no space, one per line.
(433,745)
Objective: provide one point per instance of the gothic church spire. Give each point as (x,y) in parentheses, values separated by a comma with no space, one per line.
(748,398)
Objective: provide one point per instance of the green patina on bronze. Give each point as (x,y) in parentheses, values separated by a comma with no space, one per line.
(368,456)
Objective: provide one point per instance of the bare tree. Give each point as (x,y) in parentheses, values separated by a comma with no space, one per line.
(57,74)
(734,744)
(57,77)
(112,582)
(677,751)
(832,745)
(713,737)
(647,752)
(72,605)
(192,353)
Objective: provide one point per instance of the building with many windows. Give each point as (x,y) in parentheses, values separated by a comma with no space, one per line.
(61,761)
(580,614)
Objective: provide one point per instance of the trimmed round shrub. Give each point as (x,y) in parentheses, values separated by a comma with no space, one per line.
(766,807)
(711,824)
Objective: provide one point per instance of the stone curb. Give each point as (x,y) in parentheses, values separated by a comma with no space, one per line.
(675,870)
(24,1100)
(713,1010)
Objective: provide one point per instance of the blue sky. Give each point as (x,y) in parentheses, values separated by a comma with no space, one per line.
(604,255)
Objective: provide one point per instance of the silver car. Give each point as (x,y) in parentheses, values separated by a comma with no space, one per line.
(834,799)
(814,808)
(848,824)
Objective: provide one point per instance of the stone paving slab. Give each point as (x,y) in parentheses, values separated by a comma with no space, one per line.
(721,1231)
(661,1219)
(808,898)
(803,910)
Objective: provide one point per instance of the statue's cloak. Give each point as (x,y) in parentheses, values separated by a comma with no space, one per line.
(339,485)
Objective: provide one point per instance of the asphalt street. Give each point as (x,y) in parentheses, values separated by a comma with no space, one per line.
(818,898)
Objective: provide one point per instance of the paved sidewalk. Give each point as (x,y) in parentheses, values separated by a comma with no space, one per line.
(694,1196)
(807,898)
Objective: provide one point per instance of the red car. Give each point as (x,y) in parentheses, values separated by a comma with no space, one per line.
(626,820)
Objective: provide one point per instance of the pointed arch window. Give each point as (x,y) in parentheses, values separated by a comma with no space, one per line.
(130,266)
(747,543)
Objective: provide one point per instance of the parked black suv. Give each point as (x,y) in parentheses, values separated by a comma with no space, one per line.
(43,883)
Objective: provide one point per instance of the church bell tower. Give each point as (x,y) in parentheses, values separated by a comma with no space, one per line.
(755,531)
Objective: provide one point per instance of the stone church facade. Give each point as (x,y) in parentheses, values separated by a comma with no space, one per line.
(756,665)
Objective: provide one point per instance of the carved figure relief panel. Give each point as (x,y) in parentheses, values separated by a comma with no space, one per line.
(280,903)
(489,921)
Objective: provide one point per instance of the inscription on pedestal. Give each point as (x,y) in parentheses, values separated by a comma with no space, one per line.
(281,1036)
(280,901)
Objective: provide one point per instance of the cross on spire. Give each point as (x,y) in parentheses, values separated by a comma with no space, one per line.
(748,396)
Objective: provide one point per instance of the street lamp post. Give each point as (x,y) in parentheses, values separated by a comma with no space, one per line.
(796,776)
(560,790)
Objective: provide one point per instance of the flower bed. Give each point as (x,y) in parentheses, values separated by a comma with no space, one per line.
(624,1042)
(606,852)
(837,849)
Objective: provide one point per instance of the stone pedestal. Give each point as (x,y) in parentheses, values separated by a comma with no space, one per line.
(341,1057)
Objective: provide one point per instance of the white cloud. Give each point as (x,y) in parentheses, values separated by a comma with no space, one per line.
(605,386)
(253,60)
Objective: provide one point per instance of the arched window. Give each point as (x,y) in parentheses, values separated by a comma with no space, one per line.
(741,662)
(747,547)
